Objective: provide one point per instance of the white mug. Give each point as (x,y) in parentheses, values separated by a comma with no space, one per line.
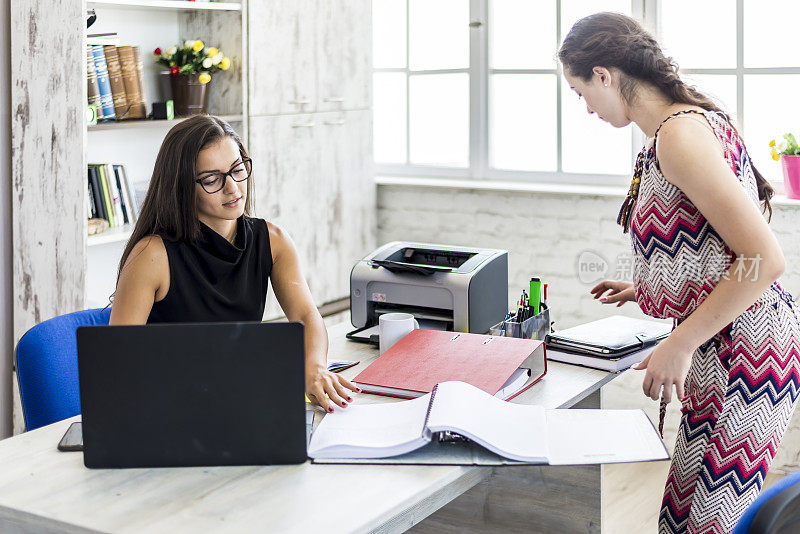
(392,327)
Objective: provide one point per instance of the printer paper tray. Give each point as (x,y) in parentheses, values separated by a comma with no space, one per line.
(369,334)
(422,315)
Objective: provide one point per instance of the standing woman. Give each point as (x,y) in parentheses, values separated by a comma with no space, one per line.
(703,256)
(195,254)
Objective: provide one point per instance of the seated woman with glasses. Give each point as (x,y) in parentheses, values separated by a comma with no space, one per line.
(196,255)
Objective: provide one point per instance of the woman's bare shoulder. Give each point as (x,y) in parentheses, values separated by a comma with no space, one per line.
(149,249)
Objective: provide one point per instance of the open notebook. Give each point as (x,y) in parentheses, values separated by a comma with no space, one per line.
(519,432)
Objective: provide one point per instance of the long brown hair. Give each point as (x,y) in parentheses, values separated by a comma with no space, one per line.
(618,41)
(169,209)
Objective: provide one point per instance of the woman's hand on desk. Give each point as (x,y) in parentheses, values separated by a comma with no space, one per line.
(325,388)
(621,292)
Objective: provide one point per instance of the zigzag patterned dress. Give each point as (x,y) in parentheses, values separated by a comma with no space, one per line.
(742,386)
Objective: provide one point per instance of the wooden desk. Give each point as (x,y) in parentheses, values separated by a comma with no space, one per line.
(43,490)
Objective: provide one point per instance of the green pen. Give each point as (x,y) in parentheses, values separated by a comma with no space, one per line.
(535,294)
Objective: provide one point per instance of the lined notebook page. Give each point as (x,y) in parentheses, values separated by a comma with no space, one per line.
(602,436)
(515,431)
(371,430)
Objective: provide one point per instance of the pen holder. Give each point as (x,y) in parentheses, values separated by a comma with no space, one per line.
(536,327)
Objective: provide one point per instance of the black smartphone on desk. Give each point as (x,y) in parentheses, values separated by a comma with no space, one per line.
(73,438)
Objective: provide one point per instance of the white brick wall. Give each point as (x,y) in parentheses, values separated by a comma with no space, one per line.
(544,234)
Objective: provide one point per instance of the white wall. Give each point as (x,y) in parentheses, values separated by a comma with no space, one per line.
(6,339)
(545,233)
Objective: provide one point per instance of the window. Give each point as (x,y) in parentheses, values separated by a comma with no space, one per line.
(743,54)
(472,88)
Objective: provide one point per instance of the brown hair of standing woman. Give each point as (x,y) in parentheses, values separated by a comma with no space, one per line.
(169,209)
(613,40)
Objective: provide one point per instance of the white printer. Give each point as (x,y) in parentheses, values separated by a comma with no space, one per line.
(456,288)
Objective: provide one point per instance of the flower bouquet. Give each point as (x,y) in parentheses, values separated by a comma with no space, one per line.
(190,68)
(788,152)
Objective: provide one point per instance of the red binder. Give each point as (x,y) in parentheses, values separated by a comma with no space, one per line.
(423,358)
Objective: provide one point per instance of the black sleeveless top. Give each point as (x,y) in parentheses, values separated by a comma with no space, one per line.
(214,280)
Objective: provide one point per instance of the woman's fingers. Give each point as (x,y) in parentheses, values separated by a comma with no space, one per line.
(333,395)
(655,390)
(317,394)
(349,385)
(646,384)
(667,394)
(651,386)
(599,287)
(679,390)
(331,390)
(642,364)
(340,389)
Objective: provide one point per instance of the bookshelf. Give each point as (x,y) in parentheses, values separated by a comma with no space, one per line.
(112,235)
(135,143)
(165,5)
(150,123)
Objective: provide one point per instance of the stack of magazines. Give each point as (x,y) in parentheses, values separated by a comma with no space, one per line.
(611,344)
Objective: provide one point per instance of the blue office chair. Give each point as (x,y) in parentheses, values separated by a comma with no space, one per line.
(775,511)
(46,360)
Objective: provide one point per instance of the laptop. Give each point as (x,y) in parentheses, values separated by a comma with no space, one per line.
(202,394)
(610,337)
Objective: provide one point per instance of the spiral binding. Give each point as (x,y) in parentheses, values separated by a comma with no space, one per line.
(430,406)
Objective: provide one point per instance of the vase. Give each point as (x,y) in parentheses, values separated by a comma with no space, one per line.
(791,175)
(189,95)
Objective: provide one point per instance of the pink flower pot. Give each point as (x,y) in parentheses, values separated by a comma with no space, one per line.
(791,175)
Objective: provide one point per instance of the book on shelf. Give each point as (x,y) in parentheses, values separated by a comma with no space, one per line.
(92,89)
(97,193)
(115,79)
(108,198)
(130,78)
(103,83)
(116,203)
(118,95)
(111,195)
(90,209)
(128,204)
(139,63)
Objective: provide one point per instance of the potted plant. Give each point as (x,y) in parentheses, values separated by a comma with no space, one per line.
(190,67)
(788,152)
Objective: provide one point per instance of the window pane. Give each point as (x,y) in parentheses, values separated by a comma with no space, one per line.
(439,34)
(389,33)
(439,106)
(699,34)
(523,122)
(590,145)
(770,33)
(720,87)
(769,113)
(572,10)
(522,34)
(389,112)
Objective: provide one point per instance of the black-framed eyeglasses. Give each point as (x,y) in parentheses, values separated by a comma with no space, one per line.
(211,183)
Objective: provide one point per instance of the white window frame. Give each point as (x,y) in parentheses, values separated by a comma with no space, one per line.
(479,73)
